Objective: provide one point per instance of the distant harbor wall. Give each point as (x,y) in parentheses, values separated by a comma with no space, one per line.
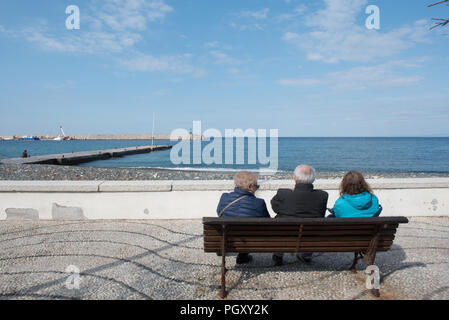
(111,137)
(78,200)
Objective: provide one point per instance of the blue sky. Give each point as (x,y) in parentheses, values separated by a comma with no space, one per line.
(305,67)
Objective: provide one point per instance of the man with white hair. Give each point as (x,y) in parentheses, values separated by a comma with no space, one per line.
(302,202)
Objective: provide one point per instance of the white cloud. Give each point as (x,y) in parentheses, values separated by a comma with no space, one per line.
(336,35)
(179,64)
(300,82)
(291,36)
(250,20)
(115,26)
(216,45)
(297,12)
(224,58)
(233,70)
(258,14)
(212,44)
(85,42)
(67,84)
(162,92)
(132,14)
(361,78)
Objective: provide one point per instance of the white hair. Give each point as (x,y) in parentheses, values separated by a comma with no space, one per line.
(244,180)
(305,174)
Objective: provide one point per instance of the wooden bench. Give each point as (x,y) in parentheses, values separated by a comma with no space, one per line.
(362,236)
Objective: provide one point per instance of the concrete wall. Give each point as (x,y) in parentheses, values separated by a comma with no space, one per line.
(64,200)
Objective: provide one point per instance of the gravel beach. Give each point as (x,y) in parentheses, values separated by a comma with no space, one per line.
(165,260)
(77,173)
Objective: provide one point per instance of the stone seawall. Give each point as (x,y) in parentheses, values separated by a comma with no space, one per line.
(67,200)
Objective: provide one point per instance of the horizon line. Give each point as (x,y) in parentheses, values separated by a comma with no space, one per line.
(157,135)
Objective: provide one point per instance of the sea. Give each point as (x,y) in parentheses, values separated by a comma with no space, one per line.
(373,155)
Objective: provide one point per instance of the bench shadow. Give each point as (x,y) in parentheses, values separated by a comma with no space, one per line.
(388,262)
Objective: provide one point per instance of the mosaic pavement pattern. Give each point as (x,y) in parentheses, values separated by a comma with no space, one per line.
(164,260)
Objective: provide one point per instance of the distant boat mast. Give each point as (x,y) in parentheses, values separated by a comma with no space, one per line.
(152,134)
(62,136)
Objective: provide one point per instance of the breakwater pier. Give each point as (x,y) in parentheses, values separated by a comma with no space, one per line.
(109,137)
(84,156)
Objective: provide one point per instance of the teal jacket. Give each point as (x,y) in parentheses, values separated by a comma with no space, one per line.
(361,205)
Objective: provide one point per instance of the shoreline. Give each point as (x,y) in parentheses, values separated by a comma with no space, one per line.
(36,172)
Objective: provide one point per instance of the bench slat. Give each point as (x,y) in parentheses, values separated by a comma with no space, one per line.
(292,250)
(212,239)
(289,221)
(296,227)
(293,244)
(295,233)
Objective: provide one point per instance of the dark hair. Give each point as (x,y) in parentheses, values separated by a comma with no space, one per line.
(354,183)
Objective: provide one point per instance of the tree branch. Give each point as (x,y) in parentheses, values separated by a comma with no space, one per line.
(440,22)
(434,4)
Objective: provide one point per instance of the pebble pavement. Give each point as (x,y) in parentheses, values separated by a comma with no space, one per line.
(164,260)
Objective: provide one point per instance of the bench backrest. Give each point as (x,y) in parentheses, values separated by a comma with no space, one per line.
(299,235)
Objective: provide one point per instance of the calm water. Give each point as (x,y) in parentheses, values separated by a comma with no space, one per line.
(388,155)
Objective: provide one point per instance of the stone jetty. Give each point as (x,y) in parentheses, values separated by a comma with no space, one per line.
(85,156)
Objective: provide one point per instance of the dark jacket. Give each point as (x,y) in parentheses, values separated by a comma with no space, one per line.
(249,207)
(302,202)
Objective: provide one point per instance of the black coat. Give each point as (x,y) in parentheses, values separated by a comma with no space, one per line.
(302,202)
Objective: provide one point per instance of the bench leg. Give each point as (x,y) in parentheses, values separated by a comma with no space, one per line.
(375,293)
(357,257)
(223,292)
(370,256)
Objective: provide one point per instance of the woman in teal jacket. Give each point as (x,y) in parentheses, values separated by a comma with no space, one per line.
(357,199)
